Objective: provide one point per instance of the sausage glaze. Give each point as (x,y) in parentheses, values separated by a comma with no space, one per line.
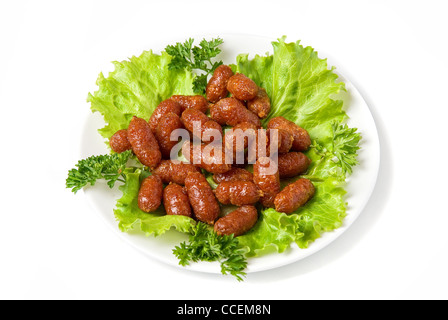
(301,137)
(175,200)
(150,194)
(162,109)
(217,86)
(234,174)
(292,164)
(237,222)
(144,143)
(261,104)
(238,193)
(174,172)
(294,195)
(197,102)
(202,199)
(267,178)
(242,87)
(167,124)
(119,142)
(231,111)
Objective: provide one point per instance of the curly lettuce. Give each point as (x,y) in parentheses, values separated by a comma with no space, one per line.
(301,87)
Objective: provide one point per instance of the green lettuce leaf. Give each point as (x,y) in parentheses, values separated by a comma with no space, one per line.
(130,217)
(136,87)
(300,87)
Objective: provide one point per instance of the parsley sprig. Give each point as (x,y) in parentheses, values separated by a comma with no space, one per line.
(205,245)
(108,167)
(187,57)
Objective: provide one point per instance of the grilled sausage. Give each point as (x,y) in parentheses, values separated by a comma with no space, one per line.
(217,86)
(238,193)
(207,157)
(261,104)
(292,164)
(205,206)
(301,137)
(237,139)
(167,124)
(280,141)
(143,142)
(206,129)
(175,200)
(234,174)
(119,141)
(267,178)
(174,172)
(294,196)
(197,102)
(237,222)
(166,106)
(150,194)
(241,87)
(231,111)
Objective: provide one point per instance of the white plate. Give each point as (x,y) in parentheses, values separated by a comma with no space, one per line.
(359,188)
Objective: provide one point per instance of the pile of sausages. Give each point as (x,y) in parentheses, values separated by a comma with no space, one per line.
(183,188)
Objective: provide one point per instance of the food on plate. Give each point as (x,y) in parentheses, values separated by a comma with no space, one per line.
(231,111)
(261,104)
(200,125)
(174,171)
(301,137)
(243,132)
(285,99)
(208,157)
(144,144)
(238,193)
(267,178)
(279,140)
(217,85)
(241,87)
(167,124)
(119,141)
(292,164)
(202,199)
(164,107)
(150,194)
(234,174)
(175,200)
(197,102)
(237,222)
(294,195)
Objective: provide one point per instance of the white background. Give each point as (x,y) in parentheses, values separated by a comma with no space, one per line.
(54,246)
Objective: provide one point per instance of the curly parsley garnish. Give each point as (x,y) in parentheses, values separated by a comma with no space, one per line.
(108,167)
(185,56)
(205,245)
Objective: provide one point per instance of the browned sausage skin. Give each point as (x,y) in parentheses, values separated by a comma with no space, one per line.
(261,104)
(197,102)
(237,139)
(207,157)
(231,111)
(144,144)
(267,178)
(174,171)
(206,129)
(167,124)
(162,109)
(237,222)
(234,174)
(150,194)
(175,200)
(242,87)
(280,141)
(292,164)
(217,86)
(294,195)
(301,137)
(119,141)
(238,193)
(202,199)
